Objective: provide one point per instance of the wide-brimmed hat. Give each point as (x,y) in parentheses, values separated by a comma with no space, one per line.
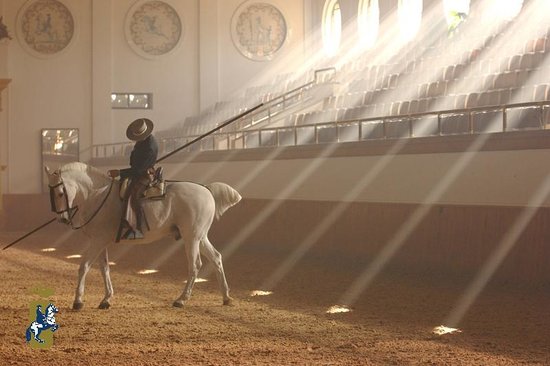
(140,129)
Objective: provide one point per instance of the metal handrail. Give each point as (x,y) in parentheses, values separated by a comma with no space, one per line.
(282,100)
(256,137)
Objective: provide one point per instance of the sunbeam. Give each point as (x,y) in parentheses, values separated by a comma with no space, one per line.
(499,254)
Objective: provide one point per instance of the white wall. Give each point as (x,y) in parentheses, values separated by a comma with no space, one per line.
(72,89)
(172,78)
(46,93)
(4,110)
(494,178)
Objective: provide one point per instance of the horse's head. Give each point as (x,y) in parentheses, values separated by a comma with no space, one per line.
(51,309)
(62,196)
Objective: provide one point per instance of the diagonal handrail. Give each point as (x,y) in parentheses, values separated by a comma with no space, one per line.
(283,101)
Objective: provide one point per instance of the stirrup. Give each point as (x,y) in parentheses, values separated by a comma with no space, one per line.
(132,235)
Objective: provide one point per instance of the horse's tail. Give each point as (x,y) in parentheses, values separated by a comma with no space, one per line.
(28,334)
(224,196)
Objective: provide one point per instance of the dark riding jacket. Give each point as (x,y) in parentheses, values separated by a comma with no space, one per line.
(144,155)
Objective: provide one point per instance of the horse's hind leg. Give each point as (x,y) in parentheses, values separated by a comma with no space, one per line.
(194,265)
(208,250)
(104,266)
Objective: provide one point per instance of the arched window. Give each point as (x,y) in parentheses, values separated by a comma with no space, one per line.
(509,9)
(410,17)
(368,22)
(332,27)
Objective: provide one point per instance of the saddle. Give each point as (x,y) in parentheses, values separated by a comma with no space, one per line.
(156,189)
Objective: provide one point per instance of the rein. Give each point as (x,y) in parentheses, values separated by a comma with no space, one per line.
(71,211)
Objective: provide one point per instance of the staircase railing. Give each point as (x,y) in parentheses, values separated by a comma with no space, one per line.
(263,116)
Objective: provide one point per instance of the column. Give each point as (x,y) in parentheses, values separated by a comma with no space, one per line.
(209,78)
(102,56)
(4,141)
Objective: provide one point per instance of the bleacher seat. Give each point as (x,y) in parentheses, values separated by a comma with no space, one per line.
(394,108)
(448,73)
(471,100)
(403,108)
(540,92)
(460,101)
(505,80)
(353,99)
(514,63)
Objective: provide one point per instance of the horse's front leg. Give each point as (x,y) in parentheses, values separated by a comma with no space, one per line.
(194,265)
(105,272)
(89,257)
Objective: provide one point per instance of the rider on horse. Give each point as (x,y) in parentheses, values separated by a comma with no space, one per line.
(142,160)
(40,317)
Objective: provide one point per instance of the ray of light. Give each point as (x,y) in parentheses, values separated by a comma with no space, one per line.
(298,180)
(499,254)
(327,222)
(398,240)
(303,248)
(63,239)
(157,262)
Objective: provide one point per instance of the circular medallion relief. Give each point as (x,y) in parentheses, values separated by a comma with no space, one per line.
(45,27)
(153,28)
(258,30)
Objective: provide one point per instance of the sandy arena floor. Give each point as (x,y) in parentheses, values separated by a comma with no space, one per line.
(390,324)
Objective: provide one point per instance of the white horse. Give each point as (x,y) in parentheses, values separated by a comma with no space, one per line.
(83,195)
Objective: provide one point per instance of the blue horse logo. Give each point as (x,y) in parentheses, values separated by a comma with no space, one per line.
(43,321)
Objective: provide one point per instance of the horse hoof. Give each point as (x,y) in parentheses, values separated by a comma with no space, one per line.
(104,305)
(228,302)
(78,305)
(178,304)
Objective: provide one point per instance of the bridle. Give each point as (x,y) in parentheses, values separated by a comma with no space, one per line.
(71,211)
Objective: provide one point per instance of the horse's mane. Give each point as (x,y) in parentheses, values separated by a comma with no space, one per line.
(81,167)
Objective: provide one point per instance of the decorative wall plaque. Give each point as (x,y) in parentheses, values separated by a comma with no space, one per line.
(153,28)
(45,27)
(258,30)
